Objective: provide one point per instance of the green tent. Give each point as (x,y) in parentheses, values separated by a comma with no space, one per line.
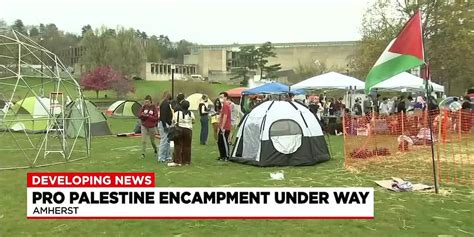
(30,115)
(124,108)
(75,124)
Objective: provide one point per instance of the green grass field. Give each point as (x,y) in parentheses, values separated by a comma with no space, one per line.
(396,214)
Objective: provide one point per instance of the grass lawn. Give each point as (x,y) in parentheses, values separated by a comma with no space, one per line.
(396,214)
(142,88)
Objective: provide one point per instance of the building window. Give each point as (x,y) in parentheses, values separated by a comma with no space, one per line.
(152,68)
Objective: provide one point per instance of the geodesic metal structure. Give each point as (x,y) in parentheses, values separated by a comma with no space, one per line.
(43,116)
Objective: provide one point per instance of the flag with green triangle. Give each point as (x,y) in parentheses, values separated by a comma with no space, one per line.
(403,53)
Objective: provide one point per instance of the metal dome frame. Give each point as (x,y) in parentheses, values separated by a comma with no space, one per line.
(22,63)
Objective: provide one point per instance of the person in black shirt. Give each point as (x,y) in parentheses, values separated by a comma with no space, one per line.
(401,107)
(357,108)
(166,118)
(204,114)
(466,105)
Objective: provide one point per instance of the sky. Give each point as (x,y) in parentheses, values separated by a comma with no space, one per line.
(202,21)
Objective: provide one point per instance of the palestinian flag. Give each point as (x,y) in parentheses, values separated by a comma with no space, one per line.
(403,53)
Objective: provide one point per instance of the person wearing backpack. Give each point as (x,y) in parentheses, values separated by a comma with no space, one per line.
(182,144)
(149,119)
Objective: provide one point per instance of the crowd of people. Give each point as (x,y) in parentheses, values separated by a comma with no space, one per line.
(172,115)
(173,120)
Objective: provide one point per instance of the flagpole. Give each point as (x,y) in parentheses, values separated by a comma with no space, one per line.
(428,94)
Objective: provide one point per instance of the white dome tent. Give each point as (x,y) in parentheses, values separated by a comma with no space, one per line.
(33,132)
(280,133)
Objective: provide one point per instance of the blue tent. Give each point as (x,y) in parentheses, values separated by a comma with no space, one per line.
(271,88)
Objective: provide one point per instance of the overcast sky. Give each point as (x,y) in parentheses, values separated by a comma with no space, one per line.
(202,21)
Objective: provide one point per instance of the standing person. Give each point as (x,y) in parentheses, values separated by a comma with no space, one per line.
(215,118)
(166,117)
(204,114)
(331,106)
(176,104)
(410,103)
(182,150)
(384,107)
(376,103)
(392,103)
(224,127)
(339,107)
(401,106)
(368,105)
(357,108)
(149,118)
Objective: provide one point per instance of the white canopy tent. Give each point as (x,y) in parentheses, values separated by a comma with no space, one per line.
(330,80)
(406,82)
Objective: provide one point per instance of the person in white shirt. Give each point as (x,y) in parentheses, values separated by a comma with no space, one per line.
(384,108)
(182,145)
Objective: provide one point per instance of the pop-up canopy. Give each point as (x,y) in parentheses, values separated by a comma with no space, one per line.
(271,88)
(406,82)
(236,92)
(330,80)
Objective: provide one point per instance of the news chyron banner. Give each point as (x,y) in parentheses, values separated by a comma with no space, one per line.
(135,196)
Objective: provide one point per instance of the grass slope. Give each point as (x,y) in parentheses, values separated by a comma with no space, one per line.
(396,214)
(142,88)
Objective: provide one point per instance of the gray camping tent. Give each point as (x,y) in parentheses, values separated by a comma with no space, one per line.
(280,133)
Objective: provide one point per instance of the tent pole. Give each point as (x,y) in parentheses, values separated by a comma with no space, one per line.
(428,94)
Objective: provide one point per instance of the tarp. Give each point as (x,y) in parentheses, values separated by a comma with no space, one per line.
(271,88)
(406,82)
(330,80)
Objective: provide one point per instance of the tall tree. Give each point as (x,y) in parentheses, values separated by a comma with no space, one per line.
(34,31)
(19,27)
(152,49)
(85,29)
(128,54)
(264,52)
(98,48)
(42,28)
(182,48)
(247,61)
(446,30)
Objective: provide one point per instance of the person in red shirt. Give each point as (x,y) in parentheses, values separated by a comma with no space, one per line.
(224,127)
(149,119)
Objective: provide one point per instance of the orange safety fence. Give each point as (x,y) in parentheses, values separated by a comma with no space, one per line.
(399,145)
